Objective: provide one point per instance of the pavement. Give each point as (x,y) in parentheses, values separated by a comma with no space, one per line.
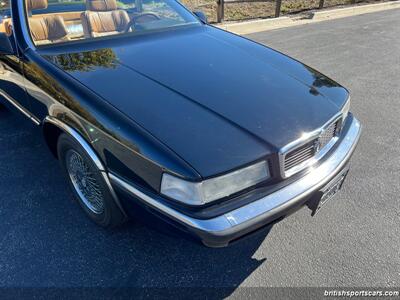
(306,17)
(46,241)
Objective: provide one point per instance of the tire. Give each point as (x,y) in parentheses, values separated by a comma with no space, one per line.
(87,183)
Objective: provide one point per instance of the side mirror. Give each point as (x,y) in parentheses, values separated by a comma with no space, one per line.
(6,47)
(202,16)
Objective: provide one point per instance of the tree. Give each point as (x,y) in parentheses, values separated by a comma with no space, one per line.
(87,61)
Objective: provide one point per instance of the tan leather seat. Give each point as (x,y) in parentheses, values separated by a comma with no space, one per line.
(103,18)
(48,29)
(6,26)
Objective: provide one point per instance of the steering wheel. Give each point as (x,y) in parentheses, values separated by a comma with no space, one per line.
(136,20)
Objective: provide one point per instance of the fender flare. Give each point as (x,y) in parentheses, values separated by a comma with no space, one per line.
(89,150)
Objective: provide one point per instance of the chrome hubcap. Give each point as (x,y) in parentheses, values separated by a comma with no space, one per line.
(84,182)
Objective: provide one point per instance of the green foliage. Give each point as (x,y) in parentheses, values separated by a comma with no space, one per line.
(87,61)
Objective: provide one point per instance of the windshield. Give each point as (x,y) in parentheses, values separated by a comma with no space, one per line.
(56,21)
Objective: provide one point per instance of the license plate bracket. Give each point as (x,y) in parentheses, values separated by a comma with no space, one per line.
(330,190)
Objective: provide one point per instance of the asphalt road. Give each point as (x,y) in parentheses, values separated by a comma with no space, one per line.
(354,241)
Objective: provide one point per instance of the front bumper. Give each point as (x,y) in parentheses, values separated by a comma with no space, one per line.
(219,231)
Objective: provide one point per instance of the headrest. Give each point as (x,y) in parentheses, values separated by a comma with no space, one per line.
(101,5)
(37,4)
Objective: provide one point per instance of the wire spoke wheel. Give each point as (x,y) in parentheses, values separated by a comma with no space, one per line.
(84,182)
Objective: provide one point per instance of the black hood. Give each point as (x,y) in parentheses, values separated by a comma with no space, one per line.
(216,99)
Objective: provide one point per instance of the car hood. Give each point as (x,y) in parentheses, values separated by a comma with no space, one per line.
(218,100)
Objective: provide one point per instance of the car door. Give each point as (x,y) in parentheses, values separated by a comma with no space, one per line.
(12,83)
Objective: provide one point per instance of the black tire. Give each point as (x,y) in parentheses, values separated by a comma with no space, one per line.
(103,210)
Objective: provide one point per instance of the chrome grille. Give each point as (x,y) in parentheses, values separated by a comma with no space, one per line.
(328,134)
(300,157)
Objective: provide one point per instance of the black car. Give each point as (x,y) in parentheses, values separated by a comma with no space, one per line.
(153,112)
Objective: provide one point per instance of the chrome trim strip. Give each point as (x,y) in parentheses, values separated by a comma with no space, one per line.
(261,209)
(20,108)
(216,224)
(306,138)
(88,149)
(72,132)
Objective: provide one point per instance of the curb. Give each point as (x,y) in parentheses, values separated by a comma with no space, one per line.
(257,25)
(316,16)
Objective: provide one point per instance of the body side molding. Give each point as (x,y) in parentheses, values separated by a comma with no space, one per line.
(20,108)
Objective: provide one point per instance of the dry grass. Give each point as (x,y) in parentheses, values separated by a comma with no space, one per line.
(244,11)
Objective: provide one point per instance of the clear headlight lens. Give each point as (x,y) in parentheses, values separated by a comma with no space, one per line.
(199,193)
(346,109)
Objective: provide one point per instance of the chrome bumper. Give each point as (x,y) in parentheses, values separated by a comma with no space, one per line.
(219,231)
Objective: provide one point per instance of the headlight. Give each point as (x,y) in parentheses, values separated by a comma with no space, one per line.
(346,109)
(198,193)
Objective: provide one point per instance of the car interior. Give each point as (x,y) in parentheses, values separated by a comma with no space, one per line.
(59,21)
(45,29)
(5,20)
